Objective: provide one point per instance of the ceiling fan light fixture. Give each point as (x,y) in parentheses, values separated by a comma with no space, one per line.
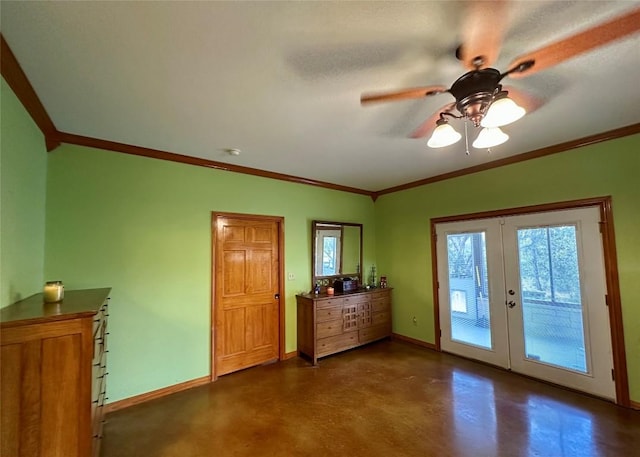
(443,135)
(503,111)
(489,137)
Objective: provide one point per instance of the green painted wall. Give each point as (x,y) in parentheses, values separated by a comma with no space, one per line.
(142,226)
(402,226)
(23,172)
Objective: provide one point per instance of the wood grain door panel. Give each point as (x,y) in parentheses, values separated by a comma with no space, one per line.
(233,275)
(246,307)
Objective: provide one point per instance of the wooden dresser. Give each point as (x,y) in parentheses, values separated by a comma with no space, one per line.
(53,375)
(332,323)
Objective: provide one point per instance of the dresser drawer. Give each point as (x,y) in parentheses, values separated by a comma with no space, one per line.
(329,314)
(337,343)
(99,343)
(381,318)
(329,302)
(357,299)
(380,304)
(381,294)
(373,333)
(329,328)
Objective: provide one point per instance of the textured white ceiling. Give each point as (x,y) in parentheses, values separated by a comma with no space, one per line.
(282,80)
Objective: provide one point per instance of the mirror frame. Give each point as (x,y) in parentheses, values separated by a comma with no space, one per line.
(328,280)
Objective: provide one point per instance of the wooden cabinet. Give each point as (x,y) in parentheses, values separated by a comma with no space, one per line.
(53,375)
(329,324)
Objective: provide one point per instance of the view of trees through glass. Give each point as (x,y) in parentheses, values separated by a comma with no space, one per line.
(468,258)
(549,265)
(548,262)
(329,252)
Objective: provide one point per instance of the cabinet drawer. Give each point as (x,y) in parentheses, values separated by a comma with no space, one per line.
(382,294)
(380,304)
(337,343)
(329,328)
(373,333)
(357,300)
(98,349)
(329,314)
(329,302)
(381,318)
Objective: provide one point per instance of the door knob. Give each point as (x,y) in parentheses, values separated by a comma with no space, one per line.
(511,303)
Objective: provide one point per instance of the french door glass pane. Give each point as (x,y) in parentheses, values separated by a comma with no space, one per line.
(551,301)
(469,289)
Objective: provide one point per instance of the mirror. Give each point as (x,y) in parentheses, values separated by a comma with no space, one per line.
(336,251)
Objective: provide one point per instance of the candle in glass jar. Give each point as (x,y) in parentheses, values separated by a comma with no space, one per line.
(330,290)
(53,291)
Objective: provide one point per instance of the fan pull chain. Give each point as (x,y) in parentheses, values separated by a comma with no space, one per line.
(466,137)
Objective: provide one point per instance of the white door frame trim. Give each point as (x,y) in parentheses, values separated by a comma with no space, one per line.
(611,271)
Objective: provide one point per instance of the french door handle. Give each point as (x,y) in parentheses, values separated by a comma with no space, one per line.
(511,304)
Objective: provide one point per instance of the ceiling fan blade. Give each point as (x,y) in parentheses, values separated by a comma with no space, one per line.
(416,92)
(584,41)
(430,124)
(482,33)
(529,102)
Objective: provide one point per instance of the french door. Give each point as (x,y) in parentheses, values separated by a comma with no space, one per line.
(528,293)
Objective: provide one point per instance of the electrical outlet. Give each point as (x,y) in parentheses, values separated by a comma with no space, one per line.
(291,276)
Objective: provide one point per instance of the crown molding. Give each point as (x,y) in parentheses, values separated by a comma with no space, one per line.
(561,147)
(79,140)
(19,83)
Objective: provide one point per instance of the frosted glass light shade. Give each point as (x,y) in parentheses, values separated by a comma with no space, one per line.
(489,137)
(443,135)
(502,112)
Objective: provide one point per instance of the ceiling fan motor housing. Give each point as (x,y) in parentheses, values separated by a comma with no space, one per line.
(474,92)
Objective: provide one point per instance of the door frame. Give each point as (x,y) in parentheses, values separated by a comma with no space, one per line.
(279,220)
(614,303)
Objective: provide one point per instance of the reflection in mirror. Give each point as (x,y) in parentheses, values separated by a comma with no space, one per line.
(328,250)
(337,251)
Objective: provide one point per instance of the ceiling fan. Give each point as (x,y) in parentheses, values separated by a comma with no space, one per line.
(479,94)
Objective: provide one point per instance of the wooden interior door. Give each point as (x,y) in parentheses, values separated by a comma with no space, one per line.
(246,304)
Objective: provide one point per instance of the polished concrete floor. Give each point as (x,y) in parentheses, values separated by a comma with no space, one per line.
(385,399)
